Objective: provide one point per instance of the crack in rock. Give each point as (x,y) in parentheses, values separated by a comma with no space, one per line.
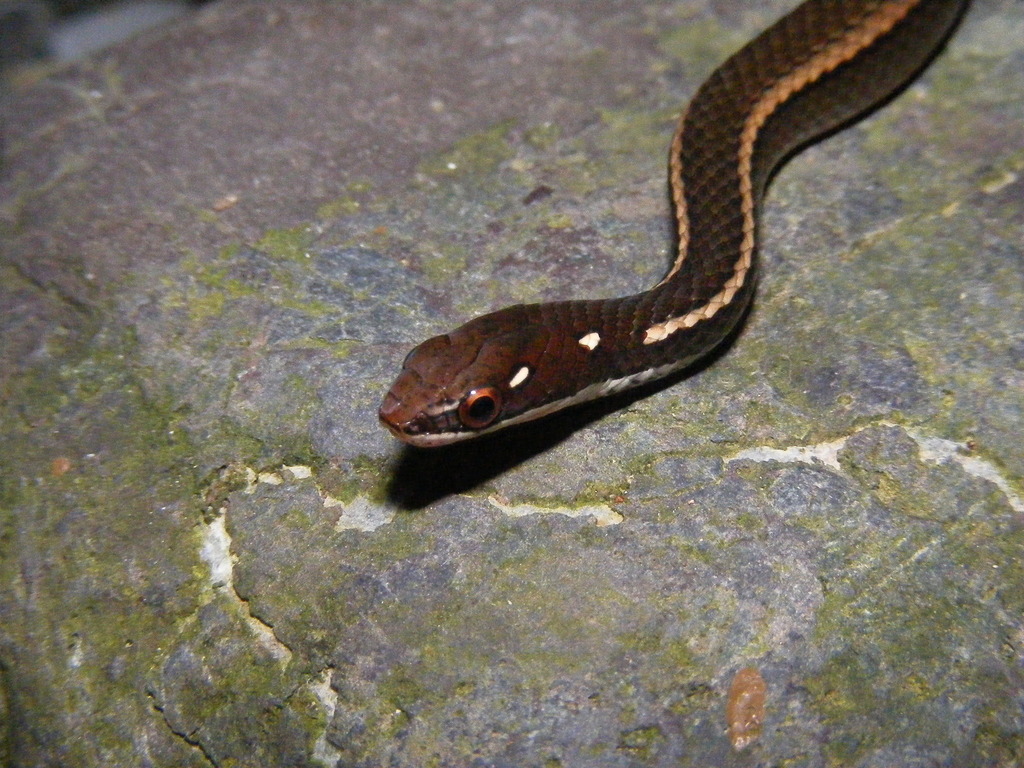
(938,450)
(603,514)
(191,741)
(360,514)
(215,551)
(822,453)
(933,450)
(323,750)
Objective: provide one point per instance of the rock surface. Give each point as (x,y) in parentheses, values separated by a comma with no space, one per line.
(220,239)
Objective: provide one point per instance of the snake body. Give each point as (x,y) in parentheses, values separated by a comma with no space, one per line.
(823,64)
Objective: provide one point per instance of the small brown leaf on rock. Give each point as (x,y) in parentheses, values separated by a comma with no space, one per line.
(744,709)
(60,466)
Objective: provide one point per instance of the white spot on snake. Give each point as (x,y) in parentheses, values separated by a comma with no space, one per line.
(521,375)
(591,340)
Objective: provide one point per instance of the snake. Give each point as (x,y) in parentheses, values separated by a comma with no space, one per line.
(817,69)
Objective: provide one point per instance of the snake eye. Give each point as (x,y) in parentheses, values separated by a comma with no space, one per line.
(480,408)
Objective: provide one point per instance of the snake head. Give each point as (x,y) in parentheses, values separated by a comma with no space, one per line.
(475,379)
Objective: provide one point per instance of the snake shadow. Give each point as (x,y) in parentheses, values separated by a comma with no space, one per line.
(423,476)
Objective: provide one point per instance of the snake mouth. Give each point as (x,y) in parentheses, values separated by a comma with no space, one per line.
(415,434)
(416,427)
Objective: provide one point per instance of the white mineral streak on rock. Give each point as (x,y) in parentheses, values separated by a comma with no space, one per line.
(603,514)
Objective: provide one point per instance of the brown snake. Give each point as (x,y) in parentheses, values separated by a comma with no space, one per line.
(825,63)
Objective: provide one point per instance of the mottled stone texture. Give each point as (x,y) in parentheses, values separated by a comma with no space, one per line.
(220,239)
